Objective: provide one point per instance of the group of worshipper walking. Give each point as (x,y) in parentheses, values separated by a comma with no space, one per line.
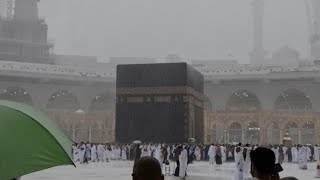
(181,155)
(262,159)
(300,154)
(98,152)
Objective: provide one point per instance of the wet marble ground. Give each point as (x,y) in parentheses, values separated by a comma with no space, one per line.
(121,170)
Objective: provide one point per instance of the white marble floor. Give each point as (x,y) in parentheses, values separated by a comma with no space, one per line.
(120,170)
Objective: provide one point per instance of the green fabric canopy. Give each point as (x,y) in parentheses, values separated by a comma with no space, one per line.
(29,141)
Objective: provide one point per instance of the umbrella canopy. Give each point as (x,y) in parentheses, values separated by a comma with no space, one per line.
(192,141)
(30,141)
(137,142)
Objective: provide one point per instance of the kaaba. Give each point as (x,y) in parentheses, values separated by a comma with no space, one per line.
(159,103)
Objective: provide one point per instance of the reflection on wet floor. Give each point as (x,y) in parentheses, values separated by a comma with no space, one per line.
(121,170)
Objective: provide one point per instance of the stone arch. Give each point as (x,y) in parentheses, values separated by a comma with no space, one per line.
(104,101)
(293,130)
(308,133)
(253,133)
(16,94)
(63,100)
(273,133)
(293,99)
(243,100)
(235,132)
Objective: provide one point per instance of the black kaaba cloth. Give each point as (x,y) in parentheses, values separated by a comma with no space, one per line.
(159,103)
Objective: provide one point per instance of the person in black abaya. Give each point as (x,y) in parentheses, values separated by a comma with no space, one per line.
(218,155)
(289,154)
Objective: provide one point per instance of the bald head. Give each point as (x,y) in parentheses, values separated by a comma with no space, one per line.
(147,168)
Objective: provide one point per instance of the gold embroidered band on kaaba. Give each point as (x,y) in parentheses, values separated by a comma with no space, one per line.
(160,91)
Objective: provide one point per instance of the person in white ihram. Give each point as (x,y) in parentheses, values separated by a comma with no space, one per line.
(247,163)
(75,151)
(276,153)
(295,156)
(212,154)
(144,151)
(317,153)
(93,153)
(159,156)
(239,164)
(82,151)
(303,157)
(100,152)
(197,153)
(183,159)
(223,153)
(124,153)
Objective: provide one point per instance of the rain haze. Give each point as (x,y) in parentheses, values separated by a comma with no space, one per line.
(206,29)
(189,89)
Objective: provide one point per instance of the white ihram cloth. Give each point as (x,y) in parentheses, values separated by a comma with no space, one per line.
(212,154)
(183,159)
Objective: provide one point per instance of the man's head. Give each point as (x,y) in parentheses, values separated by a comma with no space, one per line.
(238,149)
(263,163)
(147,168)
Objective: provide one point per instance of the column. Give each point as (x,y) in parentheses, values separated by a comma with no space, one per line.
(225,136)
(299,136)
(263,137)
(90,135)
(73,134)
(243,136)
(281,137)
(228,136)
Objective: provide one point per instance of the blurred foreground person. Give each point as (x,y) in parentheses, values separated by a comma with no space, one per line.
(289,178)
(147,168)
(263,165)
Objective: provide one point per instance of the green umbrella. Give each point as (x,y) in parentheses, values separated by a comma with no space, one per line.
(192,141)
(30,141)
(137,142)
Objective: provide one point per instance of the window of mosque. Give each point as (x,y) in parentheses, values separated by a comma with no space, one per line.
(102,102)
(293,99)
(16,94)
(63,100)
(243,100)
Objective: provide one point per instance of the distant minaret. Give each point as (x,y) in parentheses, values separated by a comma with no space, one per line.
(258,54)
(313,14)
(25,35)
(26,10)
(6,8)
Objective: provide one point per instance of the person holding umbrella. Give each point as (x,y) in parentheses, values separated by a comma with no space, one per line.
(137,150)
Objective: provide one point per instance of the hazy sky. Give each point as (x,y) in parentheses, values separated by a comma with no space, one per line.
(154,28)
